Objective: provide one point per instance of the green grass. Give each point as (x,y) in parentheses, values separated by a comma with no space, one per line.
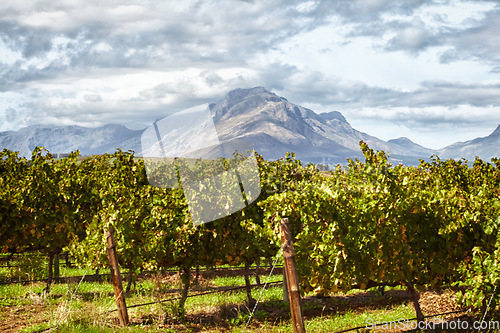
(335,323)
(88,309)
(350,319)
(240,280)
(31,267)
(65,271)
(84,287)
(36,288)
(20,290)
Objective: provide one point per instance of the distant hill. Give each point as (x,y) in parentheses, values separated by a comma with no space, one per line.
(270,123)
(412,147)
(64,139)
(485,148)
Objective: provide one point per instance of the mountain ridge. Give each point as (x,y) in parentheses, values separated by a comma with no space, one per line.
(64,139)
(270,123)
(486,148)
(294,128)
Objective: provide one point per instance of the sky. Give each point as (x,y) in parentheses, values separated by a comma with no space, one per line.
(426,70)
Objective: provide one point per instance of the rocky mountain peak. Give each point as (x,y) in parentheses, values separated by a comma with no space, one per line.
(333,115)
(241,100)
(242,93)
(401,140)
(496,132)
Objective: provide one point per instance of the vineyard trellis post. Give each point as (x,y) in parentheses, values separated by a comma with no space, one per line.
(56,265)
(286,299)
(292,280)
(116,277)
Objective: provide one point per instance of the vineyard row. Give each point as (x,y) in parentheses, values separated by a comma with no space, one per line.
(369,223)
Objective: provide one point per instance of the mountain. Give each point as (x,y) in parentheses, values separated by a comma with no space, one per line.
(64,139)
(412,147)
(269,123)
(274,126)
(485,147)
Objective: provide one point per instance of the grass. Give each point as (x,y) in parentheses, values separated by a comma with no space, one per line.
(29,266)
(88,309)
(362,319)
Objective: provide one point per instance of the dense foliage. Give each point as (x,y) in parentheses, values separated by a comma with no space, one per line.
(365,224)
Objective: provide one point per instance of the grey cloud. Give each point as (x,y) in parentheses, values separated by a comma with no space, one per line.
(92,98)
(34,45)
(365,11)
(413,37)
(211,78)
(201,31)
(31,43)
(306,86)
(481,42)
(209,33)
(17,76)
(213,32)
(214,35)
(430,94)
(451,55)
(163,36)
(315,87)
(15,114)
(300,87)
(433,104)
(456,93)
(10,115)
(159,91)
(278,76)
(409,36)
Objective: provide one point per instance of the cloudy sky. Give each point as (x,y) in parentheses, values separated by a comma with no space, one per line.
(427,70)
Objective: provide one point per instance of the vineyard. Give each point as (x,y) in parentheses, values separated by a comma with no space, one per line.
(365,225)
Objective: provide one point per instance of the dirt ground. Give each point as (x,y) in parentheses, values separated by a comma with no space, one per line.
(13,318)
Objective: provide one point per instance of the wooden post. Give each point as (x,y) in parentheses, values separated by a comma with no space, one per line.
(286,298)
(257,271)
(51,271)
(292,279)
(67,260)
(56,266)
(116,277)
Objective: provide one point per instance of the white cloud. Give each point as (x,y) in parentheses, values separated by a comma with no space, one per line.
(432,127)
(413,63)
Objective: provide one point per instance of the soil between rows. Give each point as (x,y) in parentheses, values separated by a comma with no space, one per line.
(17,317)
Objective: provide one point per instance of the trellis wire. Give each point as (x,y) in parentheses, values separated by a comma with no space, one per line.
(195,295)
(263,288)
(125,273)
(71,298)
(489,303)
(394,322)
